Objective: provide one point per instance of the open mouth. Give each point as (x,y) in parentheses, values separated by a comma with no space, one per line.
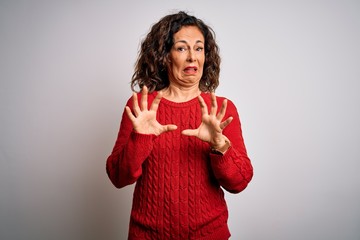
(190,69)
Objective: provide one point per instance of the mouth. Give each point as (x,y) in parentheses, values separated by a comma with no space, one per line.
(190,69)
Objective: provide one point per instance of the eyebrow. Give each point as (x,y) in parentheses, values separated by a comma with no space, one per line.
(183,41)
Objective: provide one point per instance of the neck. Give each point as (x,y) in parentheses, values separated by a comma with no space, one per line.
(180,94)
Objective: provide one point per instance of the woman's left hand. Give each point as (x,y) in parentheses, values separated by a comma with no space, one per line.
(211,127)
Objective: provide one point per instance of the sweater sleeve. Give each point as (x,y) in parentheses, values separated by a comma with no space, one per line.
(233,170)
(124,165)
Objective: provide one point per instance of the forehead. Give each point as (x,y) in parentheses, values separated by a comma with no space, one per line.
(188,33)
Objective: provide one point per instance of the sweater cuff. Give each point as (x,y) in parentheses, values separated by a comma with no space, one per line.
(219,159)
(142,138)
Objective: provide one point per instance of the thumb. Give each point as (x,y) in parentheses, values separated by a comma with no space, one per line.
(169,127)
(190,132)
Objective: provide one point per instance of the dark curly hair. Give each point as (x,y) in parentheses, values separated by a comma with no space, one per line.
(151,65)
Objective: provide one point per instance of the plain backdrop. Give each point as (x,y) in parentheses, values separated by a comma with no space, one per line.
(291,67)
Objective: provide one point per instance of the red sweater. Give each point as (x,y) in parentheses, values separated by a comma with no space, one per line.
(178,192)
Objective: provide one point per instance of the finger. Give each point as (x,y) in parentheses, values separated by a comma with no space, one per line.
(204,109)
(170,127)
(156,101)
(225,123)
(129,113)
(144,98)
(214,106)
(190,132)
(136,105)
(222,111)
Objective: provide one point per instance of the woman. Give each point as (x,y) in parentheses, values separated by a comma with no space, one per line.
(179,142)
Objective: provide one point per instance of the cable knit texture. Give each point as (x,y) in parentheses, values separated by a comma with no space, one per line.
(178,192)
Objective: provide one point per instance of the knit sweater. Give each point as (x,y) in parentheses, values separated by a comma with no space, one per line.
(179,181)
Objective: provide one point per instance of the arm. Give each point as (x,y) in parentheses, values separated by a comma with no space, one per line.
(123,166)
(134,143)
(233,169)
(230,164)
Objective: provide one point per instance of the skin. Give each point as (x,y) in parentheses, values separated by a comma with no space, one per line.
(186,63)
(185,69)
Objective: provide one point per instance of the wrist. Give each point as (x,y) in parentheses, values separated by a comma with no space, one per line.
(222,147)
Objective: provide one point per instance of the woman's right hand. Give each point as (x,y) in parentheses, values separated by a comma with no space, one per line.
(144,119)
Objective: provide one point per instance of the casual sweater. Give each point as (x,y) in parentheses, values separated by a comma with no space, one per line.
(179,181)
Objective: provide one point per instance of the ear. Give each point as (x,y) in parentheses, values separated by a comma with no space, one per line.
(168,58)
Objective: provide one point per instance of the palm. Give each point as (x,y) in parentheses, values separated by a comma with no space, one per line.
(144,119)
(208,128)
(211,127)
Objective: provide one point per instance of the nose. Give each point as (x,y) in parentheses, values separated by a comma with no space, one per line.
(191,56)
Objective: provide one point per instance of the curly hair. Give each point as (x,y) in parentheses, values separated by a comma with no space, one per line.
(151,65)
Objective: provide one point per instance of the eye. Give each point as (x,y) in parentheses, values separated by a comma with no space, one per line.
(181,49)
(199,49)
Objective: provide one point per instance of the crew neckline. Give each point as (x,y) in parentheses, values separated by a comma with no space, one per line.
(181,104)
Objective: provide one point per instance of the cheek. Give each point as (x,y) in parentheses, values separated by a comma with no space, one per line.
(201,64)
(176,66)
(202,59)
(173,68)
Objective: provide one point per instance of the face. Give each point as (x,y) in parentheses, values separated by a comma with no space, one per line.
(187,57)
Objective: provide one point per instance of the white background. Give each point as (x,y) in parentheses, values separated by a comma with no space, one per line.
(291,68)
